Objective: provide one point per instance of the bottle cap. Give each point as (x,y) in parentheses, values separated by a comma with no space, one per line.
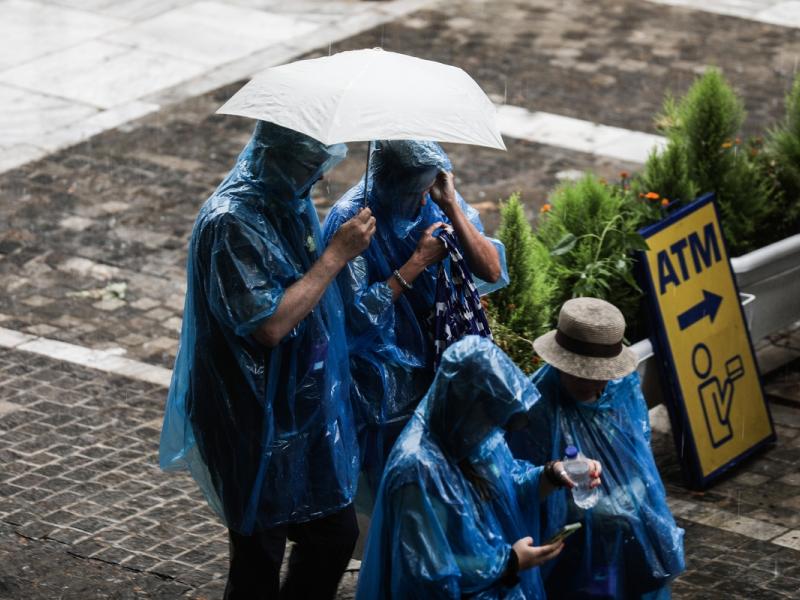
(571,452)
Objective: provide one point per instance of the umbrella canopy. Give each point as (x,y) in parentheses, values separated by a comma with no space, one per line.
(364,95)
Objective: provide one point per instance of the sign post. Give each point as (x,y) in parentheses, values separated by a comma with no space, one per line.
(719,415)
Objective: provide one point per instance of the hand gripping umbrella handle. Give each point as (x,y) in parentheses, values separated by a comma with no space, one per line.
(366,175)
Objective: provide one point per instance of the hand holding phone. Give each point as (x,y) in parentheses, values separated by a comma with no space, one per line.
(563,533)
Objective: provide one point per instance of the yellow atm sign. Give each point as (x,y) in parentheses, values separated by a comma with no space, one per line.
(719,415)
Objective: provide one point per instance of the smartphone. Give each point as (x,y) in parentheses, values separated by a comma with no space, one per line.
(564,533)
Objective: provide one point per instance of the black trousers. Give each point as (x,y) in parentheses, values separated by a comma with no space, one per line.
(319,558)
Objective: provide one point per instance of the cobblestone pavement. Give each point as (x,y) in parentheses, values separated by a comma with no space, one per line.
(80,480)
(608,61)
(92,239)
(92,252)
(86,513)
(742,536)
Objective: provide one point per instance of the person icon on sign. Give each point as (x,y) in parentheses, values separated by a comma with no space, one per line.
(716,397)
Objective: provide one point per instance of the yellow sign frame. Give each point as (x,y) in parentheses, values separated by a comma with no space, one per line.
(719,414)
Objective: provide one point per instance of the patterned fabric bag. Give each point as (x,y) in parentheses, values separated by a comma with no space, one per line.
(458,310)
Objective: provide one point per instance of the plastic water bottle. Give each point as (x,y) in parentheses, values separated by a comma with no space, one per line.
(577,467)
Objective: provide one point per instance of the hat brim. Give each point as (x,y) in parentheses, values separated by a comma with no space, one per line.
(587,367)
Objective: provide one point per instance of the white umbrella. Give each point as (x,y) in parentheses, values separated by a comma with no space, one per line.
(365,95)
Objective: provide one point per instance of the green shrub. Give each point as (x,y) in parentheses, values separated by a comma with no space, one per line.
(518,347)
(586,239)
(514,302)
(666,173)
(705,154)
(591,235)
(524,305)
(780,160)
(521,311)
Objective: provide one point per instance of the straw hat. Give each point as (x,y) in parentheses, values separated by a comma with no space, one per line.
(588,341)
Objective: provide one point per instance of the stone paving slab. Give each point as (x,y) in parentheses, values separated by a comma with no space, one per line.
(778,12)
(93,66)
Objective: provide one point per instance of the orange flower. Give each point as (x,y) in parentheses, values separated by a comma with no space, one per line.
(546,207)
(623,175)
(727,145)
(664,202)
(641,195)
(652,196)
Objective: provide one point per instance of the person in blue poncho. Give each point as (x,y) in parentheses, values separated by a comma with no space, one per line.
(389,290)
(258,408)
(455,515)
(629,546)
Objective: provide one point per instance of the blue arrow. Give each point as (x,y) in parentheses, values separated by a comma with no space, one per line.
(707,307)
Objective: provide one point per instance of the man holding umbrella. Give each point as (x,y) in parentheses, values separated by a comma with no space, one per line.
(259,403)
(258,408)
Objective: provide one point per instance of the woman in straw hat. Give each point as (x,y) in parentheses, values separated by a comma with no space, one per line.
(629,545)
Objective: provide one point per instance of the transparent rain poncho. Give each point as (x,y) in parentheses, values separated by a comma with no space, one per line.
(267,433)
(433,535)
(630,545)
(390,347)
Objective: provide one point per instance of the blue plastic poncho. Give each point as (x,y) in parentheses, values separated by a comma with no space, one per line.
(629,546)
(432,534)
(390,348)
(267,433)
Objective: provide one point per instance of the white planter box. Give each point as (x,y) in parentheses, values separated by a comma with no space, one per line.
(772,275)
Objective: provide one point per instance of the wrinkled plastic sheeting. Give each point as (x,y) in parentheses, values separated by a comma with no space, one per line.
(267,433)
(431,535)
(390,349)
(629,545)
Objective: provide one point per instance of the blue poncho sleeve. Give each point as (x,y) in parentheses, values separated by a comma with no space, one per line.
(247,275)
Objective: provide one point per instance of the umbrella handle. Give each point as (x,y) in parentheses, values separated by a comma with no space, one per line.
(366,174)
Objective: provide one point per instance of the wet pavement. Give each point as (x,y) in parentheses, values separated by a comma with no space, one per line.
(92,252)
(93,239)
(608,61)
(85,511)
